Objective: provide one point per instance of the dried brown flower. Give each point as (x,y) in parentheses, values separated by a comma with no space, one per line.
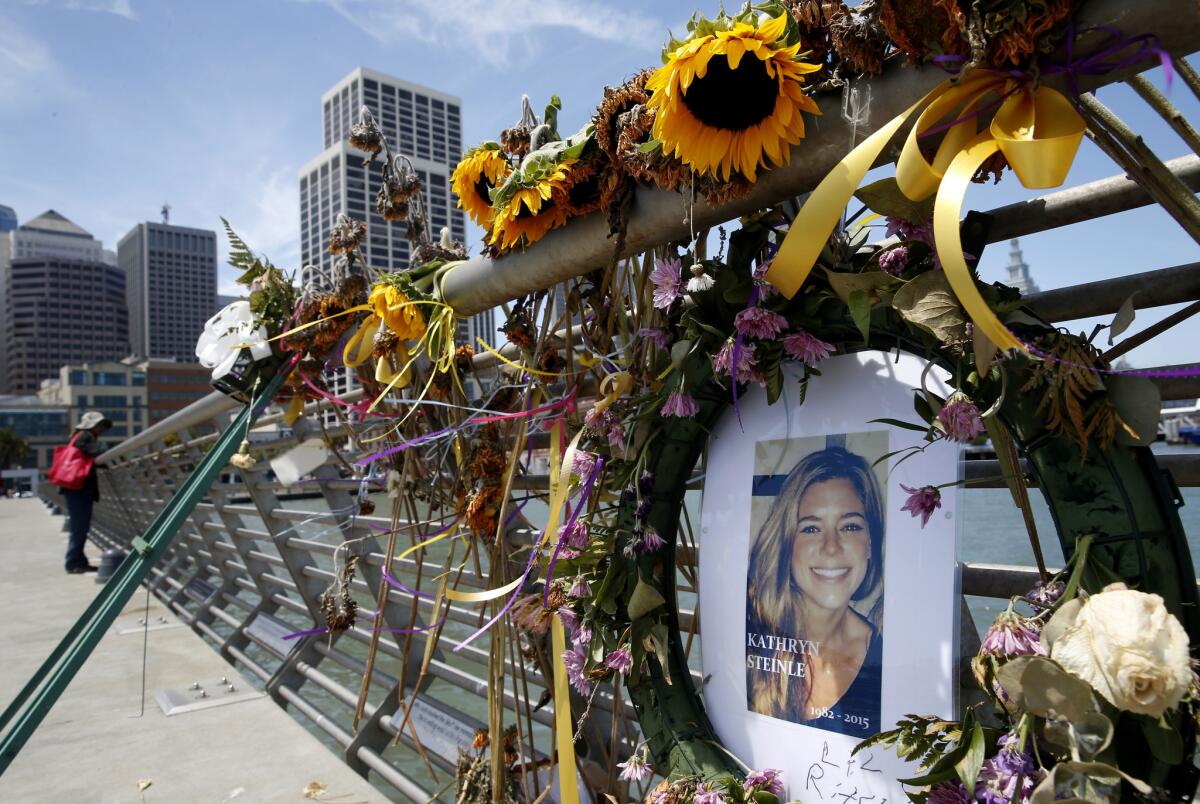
(515,140)
(617,101)
(1016,29)
(923,28)
(347,235)
(365,135)
(483,508)
(858,40)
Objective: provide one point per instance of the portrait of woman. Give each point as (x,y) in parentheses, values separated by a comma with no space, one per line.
(814,595)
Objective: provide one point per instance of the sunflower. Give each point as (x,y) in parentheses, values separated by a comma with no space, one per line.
(530,209)
(472,181)
(725,101)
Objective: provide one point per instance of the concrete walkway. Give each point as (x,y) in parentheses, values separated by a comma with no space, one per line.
(94,746)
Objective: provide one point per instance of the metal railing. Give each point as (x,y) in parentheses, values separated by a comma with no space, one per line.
(253,561)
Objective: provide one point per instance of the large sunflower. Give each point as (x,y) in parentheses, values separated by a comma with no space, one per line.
(482,169)
(529,210)
(731,97)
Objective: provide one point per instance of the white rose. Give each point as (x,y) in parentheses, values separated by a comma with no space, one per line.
(1126,645)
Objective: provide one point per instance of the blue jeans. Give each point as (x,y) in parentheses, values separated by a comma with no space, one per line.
(79,510)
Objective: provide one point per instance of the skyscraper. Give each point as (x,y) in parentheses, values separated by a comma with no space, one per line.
(171,278)
(63,301)
(424,125)
(1018,271)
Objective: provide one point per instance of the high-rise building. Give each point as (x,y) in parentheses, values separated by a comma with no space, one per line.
(421,123)
(171,277)
(62,302)
(1018,271)
(424,125)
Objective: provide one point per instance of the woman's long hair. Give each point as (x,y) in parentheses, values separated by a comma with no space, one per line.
(774,604)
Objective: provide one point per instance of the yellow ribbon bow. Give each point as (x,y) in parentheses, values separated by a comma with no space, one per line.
(1037,130)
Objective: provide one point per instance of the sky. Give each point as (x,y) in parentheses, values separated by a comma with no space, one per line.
(109,108)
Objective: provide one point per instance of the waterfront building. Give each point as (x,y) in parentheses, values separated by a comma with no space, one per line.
(171,279)
(115,388)
(43,426)
(172,385)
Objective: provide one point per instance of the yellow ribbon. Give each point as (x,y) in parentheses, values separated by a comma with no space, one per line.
(564,725)
(614,386)
(517,366)
(1037,130)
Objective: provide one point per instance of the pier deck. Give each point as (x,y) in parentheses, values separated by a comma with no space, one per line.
(93,746)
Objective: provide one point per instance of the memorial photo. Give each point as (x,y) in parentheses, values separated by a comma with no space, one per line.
(814,585)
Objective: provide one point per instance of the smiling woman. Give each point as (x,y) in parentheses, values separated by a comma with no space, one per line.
(814,591)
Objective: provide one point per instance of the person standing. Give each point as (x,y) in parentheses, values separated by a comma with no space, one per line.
(91,426)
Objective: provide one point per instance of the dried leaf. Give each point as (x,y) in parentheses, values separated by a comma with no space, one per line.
(872,283)
(1122,319)
(929,302)
(314,790)
(1138,403)
(985,351)
(143,784)
(645,599)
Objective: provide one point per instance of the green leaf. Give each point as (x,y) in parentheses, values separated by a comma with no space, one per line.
(923,408)
(885,198)
(773,374)
(968,767)
(873,283)
(860,311)
(1139,404)
(645,599)
(679,352)
(1163,740)
(928,302)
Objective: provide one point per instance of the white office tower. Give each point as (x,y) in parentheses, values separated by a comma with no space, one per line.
(424,125)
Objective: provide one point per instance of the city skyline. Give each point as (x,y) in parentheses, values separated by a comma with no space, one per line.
(231,140)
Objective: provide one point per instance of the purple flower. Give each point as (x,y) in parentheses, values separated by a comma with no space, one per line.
(569,618)
(1012,635)
(998,776)
(960,419)
(605,423)
(1044,595)
(907,230)
(948,793)
(894,260)
(708,795)
(765,288)
(656,336)
(575,660)
(583,636)
(650,541)
(922,502)
(747,368)
(619,660)
(666,278)
(767,780)
(807,348)
(580,588)
(680,404)
(577,536)
(636,768)
(583,464)
(758,322)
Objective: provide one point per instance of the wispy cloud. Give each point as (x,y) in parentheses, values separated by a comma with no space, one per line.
(121,8)
(24,61)
(497,31)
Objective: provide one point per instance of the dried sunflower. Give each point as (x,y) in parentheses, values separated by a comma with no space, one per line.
(731,97)
(617,102)
(481,170)
(922,28)
(532,210)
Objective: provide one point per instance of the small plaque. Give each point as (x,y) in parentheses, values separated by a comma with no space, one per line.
(269,632)
(438,731)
